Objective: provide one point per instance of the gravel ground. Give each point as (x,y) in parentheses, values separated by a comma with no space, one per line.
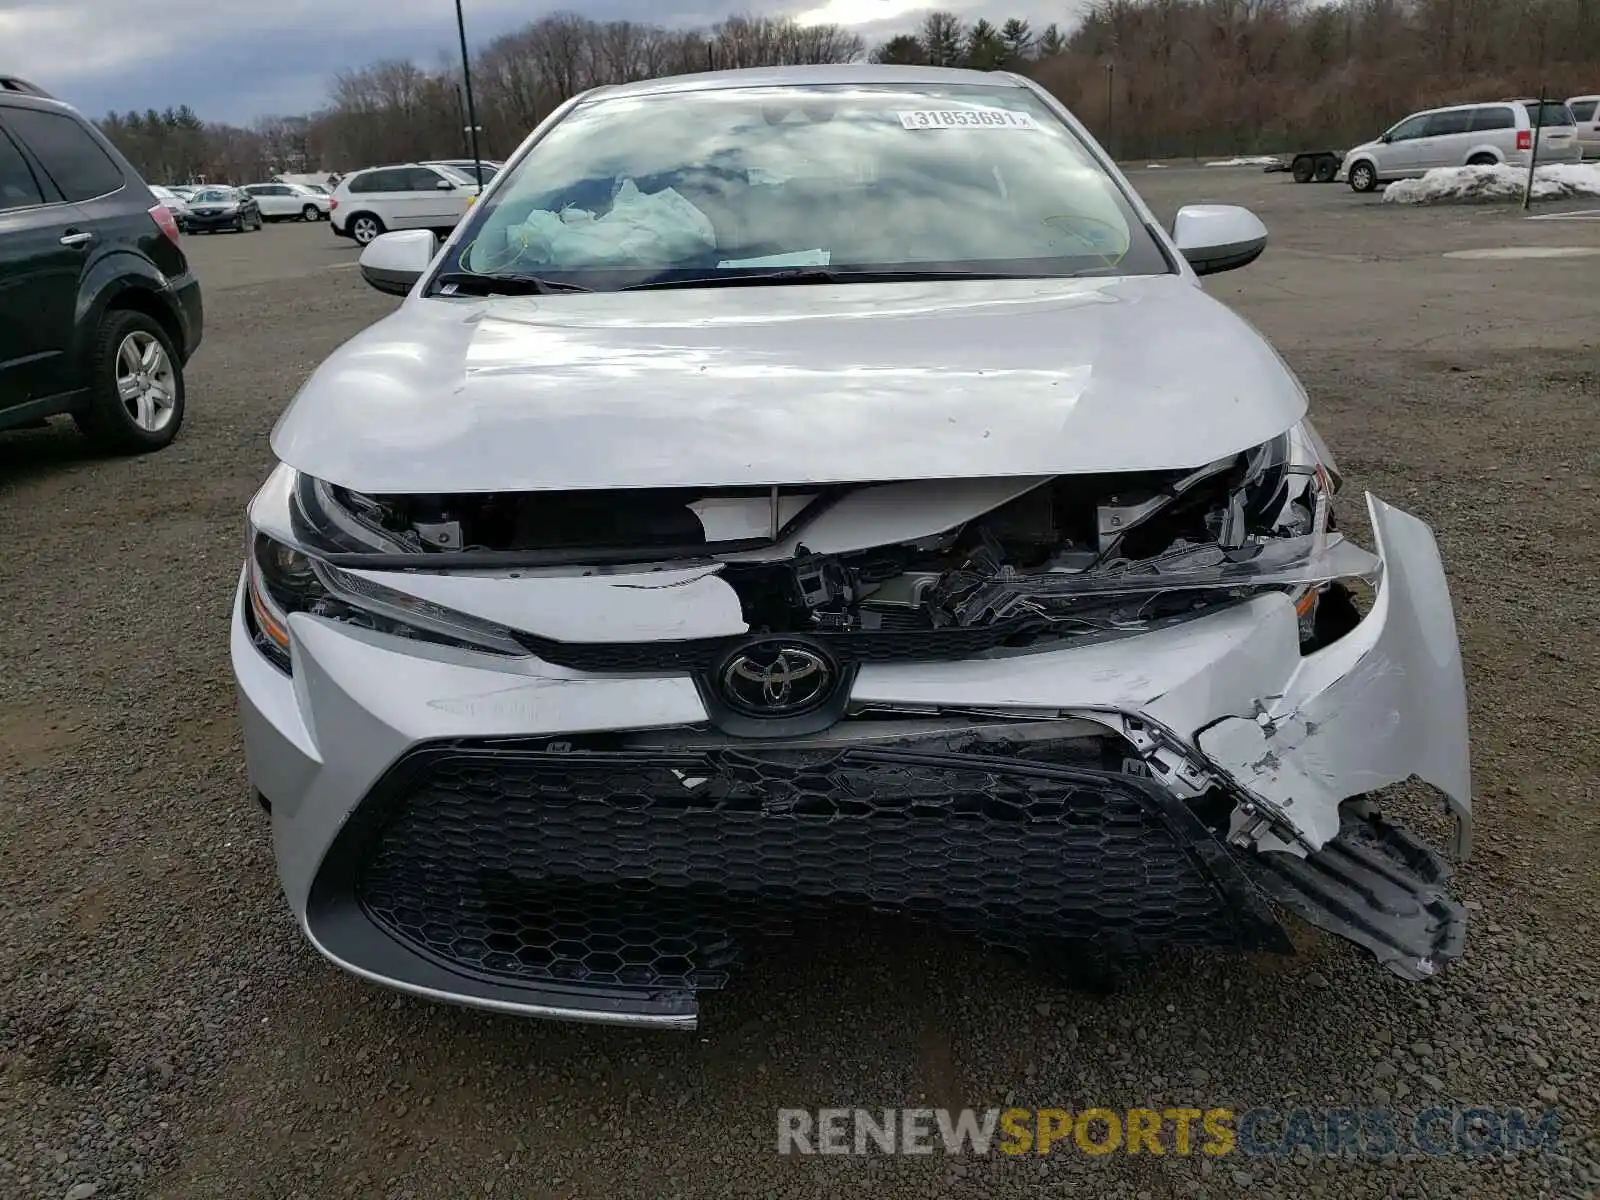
(164,1032)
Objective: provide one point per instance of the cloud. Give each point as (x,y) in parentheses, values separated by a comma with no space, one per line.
(236,61)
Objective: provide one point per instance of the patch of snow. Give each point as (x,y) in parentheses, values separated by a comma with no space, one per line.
(1155,166)
(1458,185)
(1252,160)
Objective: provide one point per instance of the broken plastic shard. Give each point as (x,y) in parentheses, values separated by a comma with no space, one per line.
(1385,702)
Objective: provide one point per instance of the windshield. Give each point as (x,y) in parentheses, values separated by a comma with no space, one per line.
(690,185)
(215,196)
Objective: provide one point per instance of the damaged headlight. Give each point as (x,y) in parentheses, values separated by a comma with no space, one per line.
(282,578)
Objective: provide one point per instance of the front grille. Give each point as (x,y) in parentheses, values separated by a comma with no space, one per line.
(882,645)
(654,870)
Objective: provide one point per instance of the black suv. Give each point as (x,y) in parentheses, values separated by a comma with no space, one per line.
(99,311)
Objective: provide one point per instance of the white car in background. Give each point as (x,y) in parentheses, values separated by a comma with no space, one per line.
(407,196)
(289,202)
(175,204)
(1586,112)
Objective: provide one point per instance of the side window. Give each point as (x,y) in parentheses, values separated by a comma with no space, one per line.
(1583,110)
(67,152)
(383,181)
(420,179)
(1493,116)
(362,183)
(18,187)
(1456,120)
(1411,127)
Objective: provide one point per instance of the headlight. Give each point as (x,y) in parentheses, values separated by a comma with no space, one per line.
(283,579)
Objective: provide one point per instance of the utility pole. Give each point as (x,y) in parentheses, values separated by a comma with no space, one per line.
(1533,151)
(1110,75)
(461,111)
(472,111)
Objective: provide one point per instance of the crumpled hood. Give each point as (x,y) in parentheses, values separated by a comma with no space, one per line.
(789,385)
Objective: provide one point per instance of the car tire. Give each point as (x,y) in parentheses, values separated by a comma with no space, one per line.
(1327,169)
(310,213)
(1304,167)
(1482,160)
(1363,177)
(364,227)
(132,362)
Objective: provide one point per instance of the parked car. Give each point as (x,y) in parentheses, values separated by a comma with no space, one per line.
(469,167)
(215,208)
(176,204)
(1586,112)
(825,537)
(288,201)
(185,191)
(409,196)
(99,311)
(1463,135)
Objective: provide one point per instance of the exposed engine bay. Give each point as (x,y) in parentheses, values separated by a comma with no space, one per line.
(1086,552)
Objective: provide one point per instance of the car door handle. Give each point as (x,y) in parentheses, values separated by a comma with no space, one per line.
(75,238)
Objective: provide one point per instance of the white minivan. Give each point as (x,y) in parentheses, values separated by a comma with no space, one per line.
(1464,135)
(408,196)
(1586,112)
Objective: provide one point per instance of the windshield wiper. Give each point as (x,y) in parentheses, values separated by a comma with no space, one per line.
(474,284)
(814,275)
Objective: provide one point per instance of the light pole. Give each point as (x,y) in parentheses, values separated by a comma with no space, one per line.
(1110,74)
(472,111)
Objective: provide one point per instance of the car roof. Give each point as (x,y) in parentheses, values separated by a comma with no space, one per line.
(830,73)
(16,85)
(1590,96)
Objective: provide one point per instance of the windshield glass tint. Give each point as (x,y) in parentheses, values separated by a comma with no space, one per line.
(215,196)
(845,177)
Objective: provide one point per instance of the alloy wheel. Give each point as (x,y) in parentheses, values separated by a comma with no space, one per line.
(146,382)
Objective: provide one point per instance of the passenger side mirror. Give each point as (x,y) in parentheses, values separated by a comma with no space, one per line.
(393,262)
(1386,138)
(1218,237)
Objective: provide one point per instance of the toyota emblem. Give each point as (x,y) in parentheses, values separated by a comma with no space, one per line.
(776,679)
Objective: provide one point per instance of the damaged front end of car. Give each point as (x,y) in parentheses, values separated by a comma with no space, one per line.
(1131,709)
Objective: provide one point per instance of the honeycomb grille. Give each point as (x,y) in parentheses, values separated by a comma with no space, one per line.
(653,870)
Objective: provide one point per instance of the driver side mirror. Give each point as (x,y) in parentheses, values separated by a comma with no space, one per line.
(1216,237)
(444,185)
(393,262)
(1386,138)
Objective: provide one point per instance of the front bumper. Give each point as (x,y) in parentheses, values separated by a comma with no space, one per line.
(527,837)
(203,223)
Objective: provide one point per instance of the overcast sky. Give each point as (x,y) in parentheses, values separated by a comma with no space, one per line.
(235,60)
(239,60)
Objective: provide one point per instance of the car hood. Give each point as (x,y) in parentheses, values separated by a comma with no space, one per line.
(789,384)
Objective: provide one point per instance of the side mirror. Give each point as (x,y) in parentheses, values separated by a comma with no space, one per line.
(1216,237)
(393,262)
(444,185)
(1386,138)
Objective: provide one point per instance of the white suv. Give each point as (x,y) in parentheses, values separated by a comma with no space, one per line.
(288,201)
(410,196)
(1463,135)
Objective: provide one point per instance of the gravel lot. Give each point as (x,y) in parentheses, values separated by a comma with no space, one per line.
(164,1032)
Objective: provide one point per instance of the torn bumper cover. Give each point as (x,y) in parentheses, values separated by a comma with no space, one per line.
(516,834)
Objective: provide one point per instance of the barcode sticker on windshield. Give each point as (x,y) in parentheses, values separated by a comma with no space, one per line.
(967,118)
